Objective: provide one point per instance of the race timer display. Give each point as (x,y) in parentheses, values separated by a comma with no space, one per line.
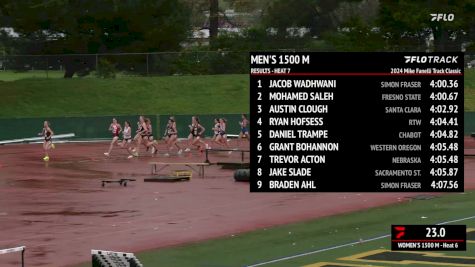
(429,237)
(356,122)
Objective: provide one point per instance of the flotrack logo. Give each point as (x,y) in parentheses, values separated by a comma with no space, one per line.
(442,17)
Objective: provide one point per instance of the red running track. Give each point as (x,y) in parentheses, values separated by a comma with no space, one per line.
(60,211)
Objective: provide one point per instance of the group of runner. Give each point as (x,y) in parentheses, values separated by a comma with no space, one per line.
(144,136)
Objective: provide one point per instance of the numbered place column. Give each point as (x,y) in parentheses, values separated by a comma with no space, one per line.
(259,122)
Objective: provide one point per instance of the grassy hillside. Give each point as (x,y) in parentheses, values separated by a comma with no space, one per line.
(34,97)
(31,94)
(469,91)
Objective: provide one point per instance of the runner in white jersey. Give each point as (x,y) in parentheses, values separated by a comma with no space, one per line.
(216,130)
(127,139)
(222,137)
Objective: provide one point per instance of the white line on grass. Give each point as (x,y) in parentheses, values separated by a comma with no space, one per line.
(344,245)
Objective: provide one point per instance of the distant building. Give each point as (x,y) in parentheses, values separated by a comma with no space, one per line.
(10,32)
(234,22)
(229,21)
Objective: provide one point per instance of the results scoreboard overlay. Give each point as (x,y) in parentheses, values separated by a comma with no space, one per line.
(428,237)
(356,122)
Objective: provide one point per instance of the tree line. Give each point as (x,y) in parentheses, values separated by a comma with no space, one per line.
(118,26)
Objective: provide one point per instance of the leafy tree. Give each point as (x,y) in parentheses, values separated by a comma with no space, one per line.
(213,18)
(248,5)
(97,26)
(357,36)
(317,15)
(401,25)
(406,22)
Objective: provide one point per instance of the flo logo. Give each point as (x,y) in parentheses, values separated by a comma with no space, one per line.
(442,17)
(400,231)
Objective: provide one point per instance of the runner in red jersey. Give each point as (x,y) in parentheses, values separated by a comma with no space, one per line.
(116,129)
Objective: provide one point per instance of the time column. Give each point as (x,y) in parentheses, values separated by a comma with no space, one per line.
(258,142)
(445,155)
